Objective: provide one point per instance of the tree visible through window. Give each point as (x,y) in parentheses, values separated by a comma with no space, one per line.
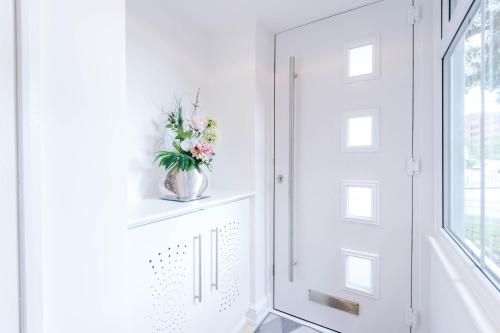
(471,189)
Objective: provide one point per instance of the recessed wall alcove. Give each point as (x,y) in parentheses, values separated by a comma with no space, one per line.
(171,54)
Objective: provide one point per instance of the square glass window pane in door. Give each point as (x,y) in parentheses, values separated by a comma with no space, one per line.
(360,202)
(360,272)
(360,131)
(362,59)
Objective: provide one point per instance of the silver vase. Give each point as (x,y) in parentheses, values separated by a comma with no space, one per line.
(186,185)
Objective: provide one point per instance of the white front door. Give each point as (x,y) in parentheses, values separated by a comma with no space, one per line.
(343,214)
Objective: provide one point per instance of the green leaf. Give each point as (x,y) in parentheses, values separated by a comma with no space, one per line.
(161,154)
(181,135)
(177,146)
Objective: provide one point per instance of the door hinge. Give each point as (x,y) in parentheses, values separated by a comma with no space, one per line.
(413,15)
(411,317)
(413,166)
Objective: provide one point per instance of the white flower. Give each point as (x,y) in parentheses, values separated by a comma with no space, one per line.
(188,144)
(197,123)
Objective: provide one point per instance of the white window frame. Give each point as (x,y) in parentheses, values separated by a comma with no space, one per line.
(475,292)
(468,251)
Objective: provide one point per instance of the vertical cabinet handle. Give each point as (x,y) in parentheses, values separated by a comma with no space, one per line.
(291,170)
(215,250)
(197,286)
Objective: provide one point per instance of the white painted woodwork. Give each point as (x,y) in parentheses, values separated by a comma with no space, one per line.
(322,97)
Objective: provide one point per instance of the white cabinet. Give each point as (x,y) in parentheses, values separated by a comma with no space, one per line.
(190,273)
(228,269)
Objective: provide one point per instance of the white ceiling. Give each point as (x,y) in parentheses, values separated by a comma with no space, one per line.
(276,15)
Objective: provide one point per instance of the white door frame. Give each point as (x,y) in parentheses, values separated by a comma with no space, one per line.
(10,320)
(418,37)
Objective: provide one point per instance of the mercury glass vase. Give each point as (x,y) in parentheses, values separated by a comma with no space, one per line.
(186,185)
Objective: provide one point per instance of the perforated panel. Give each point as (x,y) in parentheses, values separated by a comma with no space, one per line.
(229,265)
(168,288)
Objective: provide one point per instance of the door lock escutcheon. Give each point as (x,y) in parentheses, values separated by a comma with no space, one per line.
(280,179)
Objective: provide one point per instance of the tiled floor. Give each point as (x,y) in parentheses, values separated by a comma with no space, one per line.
(248,329)
(276,324)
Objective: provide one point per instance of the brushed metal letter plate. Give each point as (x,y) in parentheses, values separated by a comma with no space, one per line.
(334,302)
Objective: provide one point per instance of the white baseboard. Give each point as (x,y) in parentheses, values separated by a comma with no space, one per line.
(257,312)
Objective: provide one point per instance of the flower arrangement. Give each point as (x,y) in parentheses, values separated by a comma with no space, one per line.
(192,140)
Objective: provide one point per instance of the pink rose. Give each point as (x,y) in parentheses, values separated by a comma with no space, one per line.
(202,151)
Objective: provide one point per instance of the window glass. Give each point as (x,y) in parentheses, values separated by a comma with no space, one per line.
(359,273)
(452,6)
(359,131)
(359,201)
(361,60)
(471,149)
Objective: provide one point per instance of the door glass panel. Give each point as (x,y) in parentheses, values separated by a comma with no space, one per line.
(359,132)
(361,272)
(359,201)
(361,60)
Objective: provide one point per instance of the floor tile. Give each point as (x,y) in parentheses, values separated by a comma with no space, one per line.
(276,324)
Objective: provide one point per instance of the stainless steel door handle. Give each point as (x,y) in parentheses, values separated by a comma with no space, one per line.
(291,161)
(216,283)
(197,296)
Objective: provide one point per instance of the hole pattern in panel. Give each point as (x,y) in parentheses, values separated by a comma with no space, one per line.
(168,289)
(229,265)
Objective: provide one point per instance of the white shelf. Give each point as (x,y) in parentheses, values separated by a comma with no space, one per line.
(149,211)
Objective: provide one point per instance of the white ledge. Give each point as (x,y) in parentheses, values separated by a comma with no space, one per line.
(477,311)
(149,211)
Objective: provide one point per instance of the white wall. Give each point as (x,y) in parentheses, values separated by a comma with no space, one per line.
(232,94)
(241,86)
(76,57)
(168,56)
(84,160)
(264,171)
(9,279)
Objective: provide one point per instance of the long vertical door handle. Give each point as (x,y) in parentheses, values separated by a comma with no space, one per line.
(215,246)
(291,171)
(197,293)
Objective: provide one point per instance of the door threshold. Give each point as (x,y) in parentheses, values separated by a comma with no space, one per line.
(301,321)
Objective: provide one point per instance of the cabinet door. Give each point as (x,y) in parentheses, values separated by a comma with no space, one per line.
(164,275)
(228,265)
